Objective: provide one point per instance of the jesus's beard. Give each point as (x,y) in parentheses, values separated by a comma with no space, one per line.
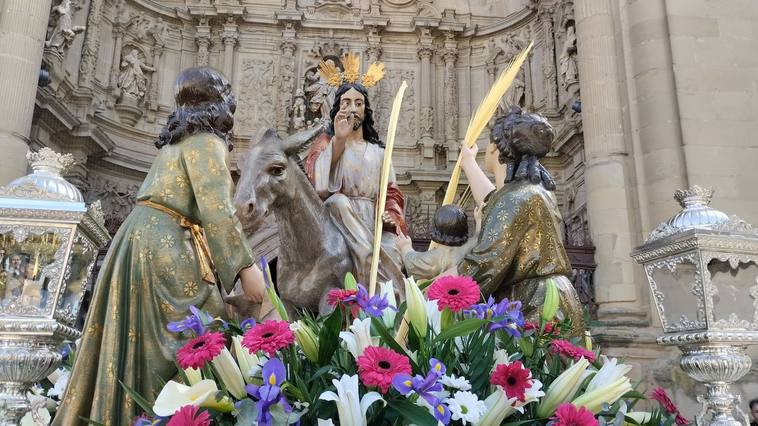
(357,121)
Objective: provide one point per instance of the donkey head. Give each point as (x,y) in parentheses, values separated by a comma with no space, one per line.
(269,174)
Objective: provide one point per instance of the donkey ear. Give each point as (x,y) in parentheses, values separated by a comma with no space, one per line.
(300,141)
(263,135)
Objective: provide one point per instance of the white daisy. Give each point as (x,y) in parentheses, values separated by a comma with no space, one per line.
(466,407)
(460,383)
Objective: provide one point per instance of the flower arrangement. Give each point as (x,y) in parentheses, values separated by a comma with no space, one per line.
(441,358)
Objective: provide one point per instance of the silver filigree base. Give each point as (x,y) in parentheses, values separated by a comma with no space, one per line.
(717,366)
(23,363)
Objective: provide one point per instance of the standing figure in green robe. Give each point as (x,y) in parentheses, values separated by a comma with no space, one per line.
(179,247)
(519,247)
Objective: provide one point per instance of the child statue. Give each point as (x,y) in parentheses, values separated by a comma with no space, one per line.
(519,246)
(181,246)
(450,231)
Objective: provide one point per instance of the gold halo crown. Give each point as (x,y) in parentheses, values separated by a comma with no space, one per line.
(352,64)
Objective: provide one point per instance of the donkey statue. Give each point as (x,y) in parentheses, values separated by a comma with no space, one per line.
(313,257)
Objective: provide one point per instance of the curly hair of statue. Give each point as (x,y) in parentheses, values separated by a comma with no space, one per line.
(204,103)
(450,226)
(522,139)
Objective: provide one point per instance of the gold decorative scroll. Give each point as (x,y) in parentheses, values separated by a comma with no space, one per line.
(385,177)
(482,116)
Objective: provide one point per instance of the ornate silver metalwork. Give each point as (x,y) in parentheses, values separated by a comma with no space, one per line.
(724,253)
(51,241)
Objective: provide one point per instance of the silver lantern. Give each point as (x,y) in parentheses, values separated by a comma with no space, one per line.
(49,240)
(702,267)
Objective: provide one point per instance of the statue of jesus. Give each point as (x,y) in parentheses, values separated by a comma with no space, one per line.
(344,165)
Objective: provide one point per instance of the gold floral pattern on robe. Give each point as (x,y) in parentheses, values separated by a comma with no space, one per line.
(150,277)
(519,245)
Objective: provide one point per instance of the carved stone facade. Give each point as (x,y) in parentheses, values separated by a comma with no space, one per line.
(607,158)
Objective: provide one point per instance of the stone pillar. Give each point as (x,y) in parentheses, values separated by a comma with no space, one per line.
(286,79)
(545,17)
(373,53)
(23,25)
(655,122)
(608,174)
(426,116)
(152,96)
(91,45)
(229,37)
(118,33)
(450,55)
(203,40)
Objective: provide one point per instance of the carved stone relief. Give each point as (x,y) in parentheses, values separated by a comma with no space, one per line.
(256,105)
(117,199)
(382,105)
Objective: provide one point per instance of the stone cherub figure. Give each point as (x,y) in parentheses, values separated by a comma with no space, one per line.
(519,246)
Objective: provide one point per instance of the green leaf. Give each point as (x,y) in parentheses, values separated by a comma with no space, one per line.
(350,282)
(413,413)
(328,337)
(248,412)
(633,394)
(142,402)
(90,422)
(390,341)
(461,328)
(422,284)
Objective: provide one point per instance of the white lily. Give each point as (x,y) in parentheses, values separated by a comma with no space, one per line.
(193,375)
(640,417)
(306,338)
(607,393)
(416,310)
(608,373)
(359,337)
(499,406)
(563,388)
(175,395)
(387,288)
(325,422)
(351,409)
(229,373)
(501,357)
(248,362)
(532,394)
(434,316)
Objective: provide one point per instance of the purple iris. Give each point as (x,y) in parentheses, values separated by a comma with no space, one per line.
(264,268)
(142,421)
(247,324)
(374,305)
(424,387)
(270,393)
(504,315)
(195,322)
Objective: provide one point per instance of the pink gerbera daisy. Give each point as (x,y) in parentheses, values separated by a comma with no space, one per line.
(339,295)
(514,378)
(659,394)
(200,350)
(565,348)
(377,366)
(189,415)
(568,415)
(268,337)
(454,292)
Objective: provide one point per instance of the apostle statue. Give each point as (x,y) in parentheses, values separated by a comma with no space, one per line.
(181,246)
(345,165)
(64,31)
(519,247)
(132,80)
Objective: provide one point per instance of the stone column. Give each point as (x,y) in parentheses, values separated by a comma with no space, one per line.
(203,40)
(23,25)
(286,79)
(426,116)
(229,37)
(91,45)
(152,96)
(118,33)
(373,53)
(545,17)
(450,55)
(608,174)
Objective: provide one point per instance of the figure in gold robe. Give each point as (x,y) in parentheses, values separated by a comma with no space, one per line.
(519,246)
(345,167)
(160,263)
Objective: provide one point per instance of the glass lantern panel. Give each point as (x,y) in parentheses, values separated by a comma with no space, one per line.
(735,294)
(679,295)
(31,259)
(81,260)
